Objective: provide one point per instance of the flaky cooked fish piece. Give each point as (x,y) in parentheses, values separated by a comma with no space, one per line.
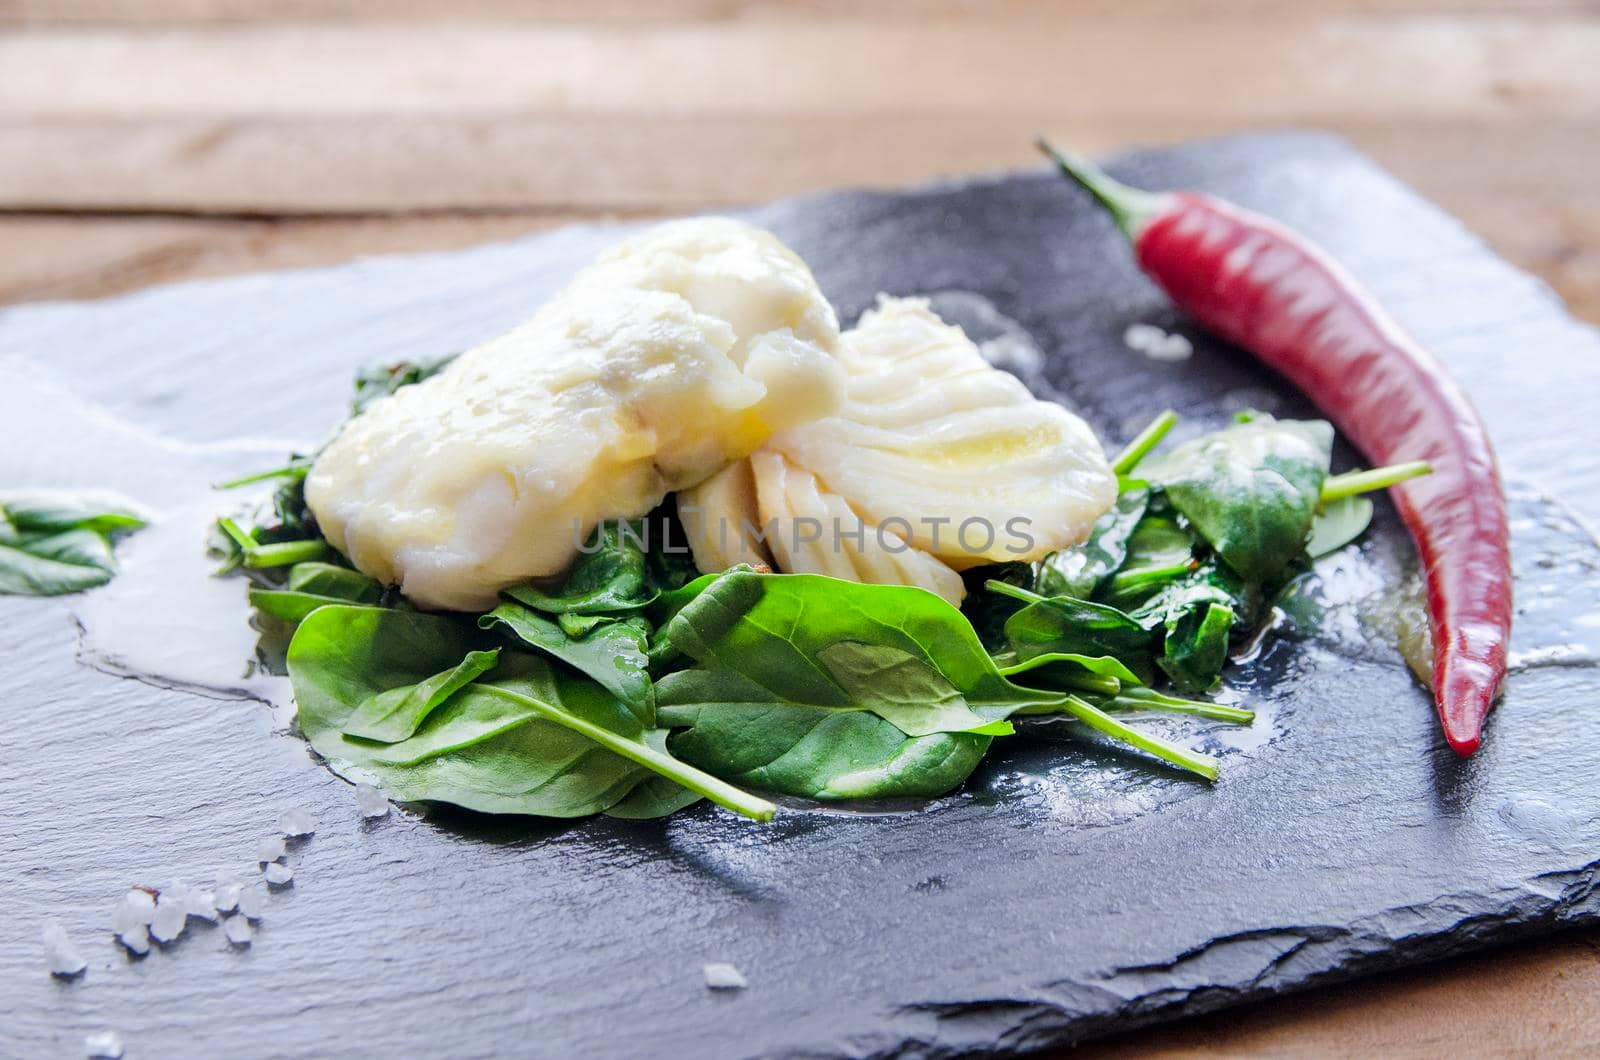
(947,461)
(671,356)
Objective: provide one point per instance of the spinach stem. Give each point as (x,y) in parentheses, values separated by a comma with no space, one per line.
(701,783)
(1145,441)
(1147,699)
(1134,578)
(285,553)
(293,469)
(1016,592)
(1351,483)
(1171,753)
(1082,681)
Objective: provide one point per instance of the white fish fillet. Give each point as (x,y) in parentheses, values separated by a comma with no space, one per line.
(931,438)
(933,434)
(673,355)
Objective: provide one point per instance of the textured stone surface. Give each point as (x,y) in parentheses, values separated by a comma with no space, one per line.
(1066,891)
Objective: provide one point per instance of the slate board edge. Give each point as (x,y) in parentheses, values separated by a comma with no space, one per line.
(1311,954)
(1003,1026)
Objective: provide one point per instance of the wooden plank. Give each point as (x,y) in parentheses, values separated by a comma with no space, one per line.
(670,162)
(51,257)
(1526,1001)
(155,12)
(1303,69)
(88,257)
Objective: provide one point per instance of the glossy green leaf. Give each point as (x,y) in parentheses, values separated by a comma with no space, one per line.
(1339,523)
(614,655)
(609,575)
(1080,570)
(1100,665)
(525,738)
(1250,490)
(327,579)
(1064,625)
(53,564)
(1196,646)
(814,686)
(396,713)
(54,511)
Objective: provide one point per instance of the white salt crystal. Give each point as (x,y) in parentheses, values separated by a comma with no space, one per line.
(279,874)
(271,848)
(202,904)
(250,899)
(296,822)
(370,801)
(238,930)
(135,939)
(107,1045)
(1142,337)
(227,895)
(171,916)
(62,956)
(723,976)
(1170,348)
(136,909)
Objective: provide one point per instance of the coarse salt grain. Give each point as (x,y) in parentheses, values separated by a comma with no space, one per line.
(723,976)
(238,930)
(170,919)
(106,1045)
(296,823)
(136,939)
(1170,349)
(63,957)
(228,895)
(250,900)
(270,848)
(279,874)
(136,909)
(1141,337)
(370,802)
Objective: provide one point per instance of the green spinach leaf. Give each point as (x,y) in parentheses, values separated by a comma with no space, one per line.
(614,655)
(1079,571)
(608,576)
(54,511)
(381,380)
(752,735)
(832,689)
(1339,523)
(1196,646)
(53,542)
(53,564)
(1250,490)
(395,714)
(523,738)
(1065,625)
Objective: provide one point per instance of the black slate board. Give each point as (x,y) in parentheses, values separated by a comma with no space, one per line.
(1068,891)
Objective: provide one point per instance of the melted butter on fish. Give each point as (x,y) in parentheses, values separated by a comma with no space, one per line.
(671,356)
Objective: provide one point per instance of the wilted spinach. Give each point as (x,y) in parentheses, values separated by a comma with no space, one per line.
(1250,490)
(1079,571)
(525,737)
(54,543)
(614,654)
(381,380)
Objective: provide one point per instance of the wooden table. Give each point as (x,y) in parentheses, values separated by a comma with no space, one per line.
(143,141)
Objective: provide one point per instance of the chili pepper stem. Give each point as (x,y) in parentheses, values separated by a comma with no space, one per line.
(1348,485)
(1145,441)
(1130,207)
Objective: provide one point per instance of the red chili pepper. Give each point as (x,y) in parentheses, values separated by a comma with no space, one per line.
(1273,293)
